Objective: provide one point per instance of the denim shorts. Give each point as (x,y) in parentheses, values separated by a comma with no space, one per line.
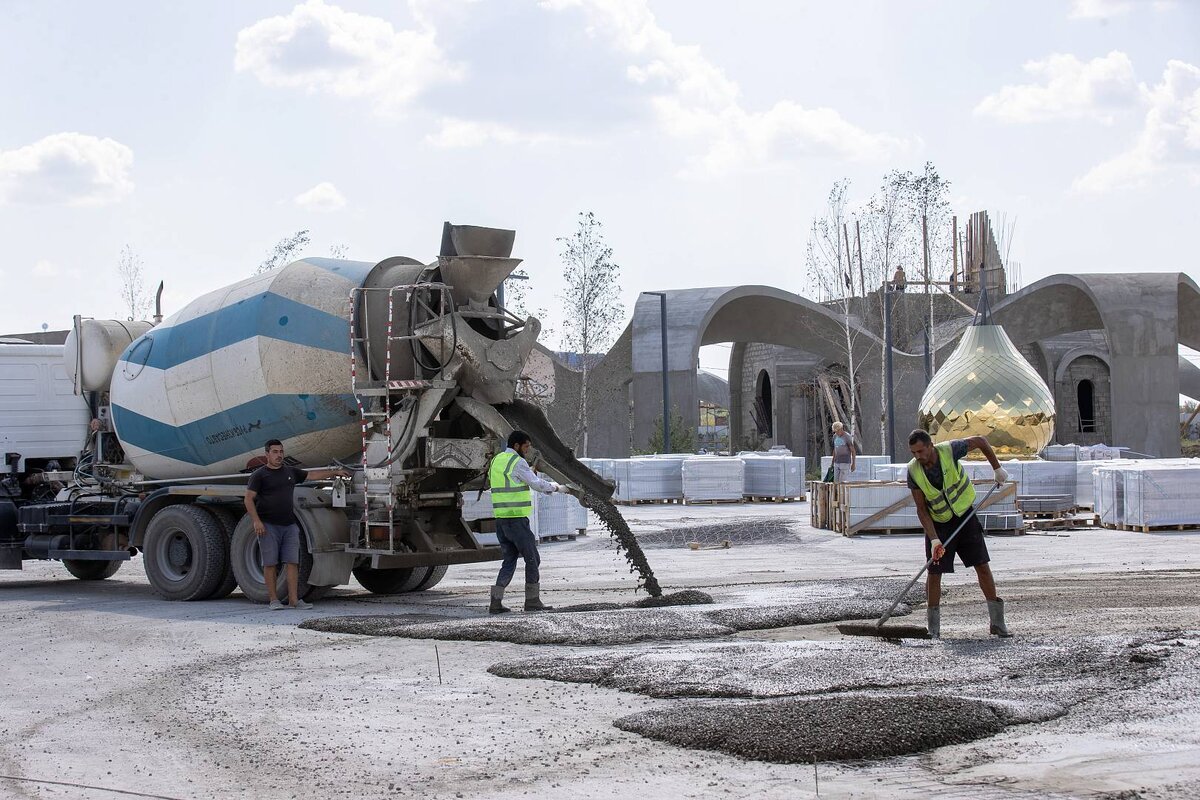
(280,544)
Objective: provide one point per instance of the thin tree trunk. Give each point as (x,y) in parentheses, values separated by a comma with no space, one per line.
(583,397)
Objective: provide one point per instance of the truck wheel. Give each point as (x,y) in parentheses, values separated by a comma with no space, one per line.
(184,552)
(382,581)
(433,578)
(91,570)
(228,522)
(247,567)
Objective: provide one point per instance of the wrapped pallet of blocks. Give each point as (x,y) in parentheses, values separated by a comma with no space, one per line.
(864,466)
(771,476)
(714,479)
(878,506)
(601,466)
(648,479)
(1145,495)
(478,506)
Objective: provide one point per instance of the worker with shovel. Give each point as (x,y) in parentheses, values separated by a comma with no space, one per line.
(511,478)
(945,500)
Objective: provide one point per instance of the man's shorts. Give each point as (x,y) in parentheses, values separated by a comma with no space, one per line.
(280,544)
(968,545)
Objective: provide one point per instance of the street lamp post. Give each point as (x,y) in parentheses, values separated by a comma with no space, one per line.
(662,311)
(887,369)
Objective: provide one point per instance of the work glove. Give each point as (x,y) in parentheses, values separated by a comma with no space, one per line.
(1001,475)
(558,487)
(937,549)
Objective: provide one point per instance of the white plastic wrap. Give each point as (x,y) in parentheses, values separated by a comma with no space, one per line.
(601,466)
(864,466)
(714,478)
(1061,452)
(476,506)
(774,476)
(648,479)
(1148,493)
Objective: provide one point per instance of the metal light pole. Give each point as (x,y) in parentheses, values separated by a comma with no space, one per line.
(662,310)
(887,369)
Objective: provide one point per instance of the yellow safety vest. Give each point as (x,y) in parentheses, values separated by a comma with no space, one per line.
(957,492)
(511,498)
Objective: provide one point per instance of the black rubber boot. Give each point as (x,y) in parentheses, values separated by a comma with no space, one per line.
(533,602)
(498,607)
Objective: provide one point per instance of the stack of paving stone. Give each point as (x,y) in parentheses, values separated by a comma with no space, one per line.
(557,514)
(1144,495)
(774,476)
(859,502)
(864,466)
(714,479)
(601,466)
(648,478)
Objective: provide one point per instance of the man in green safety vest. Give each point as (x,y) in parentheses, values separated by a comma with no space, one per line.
(944,496)
(511,478)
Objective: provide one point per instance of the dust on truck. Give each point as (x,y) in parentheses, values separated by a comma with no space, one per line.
(401,370)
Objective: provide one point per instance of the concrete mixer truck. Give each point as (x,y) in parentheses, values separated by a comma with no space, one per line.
(404,371)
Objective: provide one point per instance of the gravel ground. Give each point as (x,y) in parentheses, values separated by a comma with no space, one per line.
(801,731)
(110,691)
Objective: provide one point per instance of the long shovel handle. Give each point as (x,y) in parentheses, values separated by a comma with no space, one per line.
(888,614)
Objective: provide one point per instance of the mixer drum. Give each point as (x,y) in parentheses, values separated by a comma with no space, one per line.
(266,358)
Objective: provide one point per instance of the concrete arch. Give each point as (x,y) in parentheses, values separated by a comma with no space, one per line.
(1146,316)
(1064,363)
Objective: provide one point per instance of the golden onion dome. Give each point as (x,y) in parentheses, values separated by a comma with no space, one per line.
(987,388)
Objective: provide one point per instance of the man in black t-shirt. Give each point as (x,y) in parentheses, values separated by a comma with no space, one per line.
(269,504)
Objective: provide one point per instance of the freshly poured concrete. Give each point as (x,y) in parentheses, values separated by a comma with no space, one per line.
(106,686)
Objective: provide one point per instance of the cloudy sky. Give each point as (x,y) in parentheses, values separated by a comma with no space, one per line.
(704,135)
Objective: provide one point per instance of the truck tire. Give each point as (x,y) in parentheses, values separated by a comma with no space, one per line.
(184,552)
(382,581)
(91,570)
(228,522)
(247,567)
(431,579)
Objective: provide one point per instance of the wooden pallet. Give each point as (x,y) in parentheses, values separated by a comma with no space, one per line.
(734,502)
(771,499)
(1151,528)
(657,502)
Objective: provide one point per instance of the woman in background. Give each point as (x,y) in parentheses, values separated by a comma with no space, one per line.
(845,454)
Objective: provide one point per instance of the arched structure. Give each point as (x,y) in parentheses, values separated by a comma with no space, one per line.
(1144,315)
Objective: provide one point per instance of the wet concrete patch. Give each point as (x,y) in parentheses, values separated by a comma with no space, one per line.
(761,618)
(1020,669)
(625,626)
(687,597)
(738,531)
(794,730)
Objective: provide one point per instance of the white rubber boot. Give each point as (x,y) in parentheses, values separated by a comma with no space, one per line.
(996,616)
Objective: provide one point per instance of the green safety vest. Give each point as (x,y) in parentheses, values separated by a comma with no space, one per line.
(510,497)
(957,492)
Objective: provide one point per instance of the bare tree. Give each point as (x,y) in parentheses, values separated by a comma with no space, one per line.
(133,287)
(831,270)
(592,307)
(283,251)
(928,203)
(885,234)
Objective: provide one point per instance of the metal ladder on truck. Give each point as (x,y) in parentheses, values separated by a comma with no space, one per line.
(376,400)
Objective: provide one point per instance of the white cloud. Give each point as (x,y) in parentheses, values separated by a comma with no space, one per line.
(456,132)
(1100,9)
(693,99)
(67,168)
(321,47)
(1066,88)
(322,197)
(1169,142)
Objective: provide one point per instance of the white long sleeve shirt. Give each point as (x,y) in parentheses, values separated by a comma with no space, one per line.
(525,474)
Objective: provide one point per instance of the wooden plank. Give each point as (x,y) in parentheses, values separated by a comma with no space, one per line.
(881,514)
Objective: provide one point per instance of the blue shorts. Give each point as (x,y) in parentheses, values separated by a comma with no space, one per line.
(280,544)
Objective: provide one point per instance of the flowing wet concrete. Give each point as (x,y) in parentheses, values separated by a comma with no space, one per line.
(1029,668)
(647,620)
(792,731)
